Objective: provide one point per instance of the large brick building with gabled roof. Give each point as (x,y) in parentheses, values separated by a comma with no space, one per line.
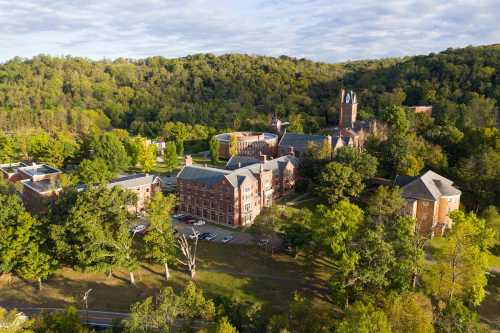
(234,197)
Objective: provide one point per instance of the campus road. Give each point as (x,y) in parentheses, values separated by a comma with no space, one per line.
(95,318)
(100,320)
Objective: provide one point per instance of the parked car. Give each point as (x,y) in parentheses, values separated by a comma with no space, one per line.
(263,242)
(227,238)
(138,228)
(199,222)
(178,216)
(210,237)
(185,217)
(194,235)
(190,221)
(204,236)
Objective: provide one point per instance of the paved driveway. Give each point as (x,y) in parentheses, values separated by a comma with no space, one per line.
(239,236)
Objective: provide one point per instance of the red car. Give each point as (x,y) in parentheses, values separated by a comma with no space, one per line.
(190,221)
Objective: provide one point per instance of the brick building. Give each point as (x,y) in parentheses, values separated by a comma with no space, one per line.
(144,185)
(248,143)
(429,198)
(40,183)
(427,109)
(236,196)
(349,132)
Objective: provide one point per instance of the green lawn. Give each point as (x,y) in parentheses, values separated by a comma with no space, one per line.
(244,271)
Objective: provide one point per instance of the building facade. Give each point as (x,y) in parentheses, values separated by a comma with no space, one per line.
(40,183)
(143,185)
(349,132)
(427,109)
(429,199)
(248,143)
(234,197)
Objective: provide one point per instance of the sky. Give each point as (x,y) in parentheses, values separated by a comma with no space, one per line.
(321,30)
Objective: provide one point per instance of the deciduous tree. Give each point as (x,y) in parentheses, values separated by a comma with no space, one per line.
(337,182)
(160,243)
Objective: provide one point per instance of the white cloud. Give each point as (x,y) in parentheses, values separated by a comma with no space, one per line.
(323,30)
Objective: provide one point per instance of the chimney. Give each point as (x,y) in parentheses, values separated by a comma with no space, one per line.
(263,158)
(188,160)
(291,151)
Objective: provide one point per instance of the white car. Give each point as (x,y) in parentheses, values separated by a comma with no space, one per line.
(199,222)
(178,215)
(194,235)
(138,228)
(227,238)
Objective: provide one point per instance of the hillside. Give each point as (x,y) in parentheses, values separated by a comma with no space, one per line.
(239,91)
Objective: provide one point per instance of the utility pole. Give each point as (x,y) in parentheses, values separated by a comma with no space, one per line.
(85,300)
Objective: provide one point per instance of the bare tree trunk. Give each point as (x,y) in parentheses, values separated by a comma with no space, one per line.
(189,254)
(414,280)
(110,273)
(132,278)
(39,284)
(167,272)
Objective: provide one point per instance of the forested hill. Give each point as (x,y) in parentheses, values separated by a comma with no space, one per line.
(240,91)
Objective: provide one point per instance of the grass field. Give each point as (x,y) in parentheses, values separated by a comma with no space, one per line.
(243,271)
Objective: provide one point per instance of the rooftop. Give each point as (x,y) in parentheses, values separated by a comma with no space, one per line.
(38,170)
(11,168)
(242,136)
(42,186)
(210,176)
(135,180)
(239,161)
(299,141)
(429,186)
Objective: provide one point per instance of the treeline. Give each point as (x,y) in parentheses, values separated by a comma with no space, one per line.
(239,91)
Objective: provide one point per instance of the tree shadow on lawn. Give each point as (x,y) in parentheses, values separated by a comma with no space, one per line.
(259,277)
(489,309)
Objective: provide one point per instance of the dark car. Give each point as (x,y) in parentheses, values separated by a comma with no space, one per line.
(204,236)
(190,221)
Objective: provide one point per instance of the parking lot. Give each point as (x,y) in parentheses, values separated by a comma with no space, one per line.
(238,236)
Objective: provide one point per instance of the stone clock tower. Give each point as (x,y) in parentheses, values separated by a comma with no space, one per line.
(348,109)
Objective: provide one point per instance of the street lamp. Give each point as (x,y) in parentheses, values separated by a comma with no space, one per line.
(85,300)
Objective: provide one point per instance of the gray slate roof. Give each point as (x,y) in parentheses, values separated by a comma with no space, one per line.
(238,161)
(429,186)
(299,141)
(135,180)
(210,176)
(275,165)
